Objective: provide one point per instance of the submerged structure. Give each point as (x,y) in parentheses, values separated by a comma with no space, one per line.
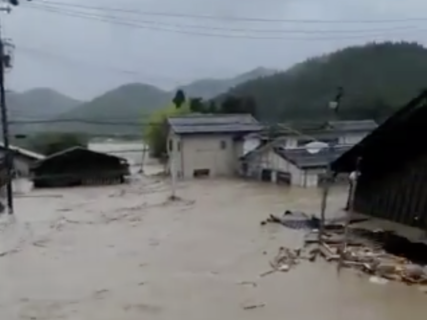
(393,167)
(79,166)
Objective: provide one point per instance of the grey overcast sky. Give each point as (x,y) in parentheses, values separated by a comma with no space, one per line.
(84,57)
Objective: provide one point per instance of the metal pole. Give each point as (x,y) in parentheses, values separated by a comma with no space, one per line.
(324,202)
(173,175)
(327,185)
(5,131)
(349,213)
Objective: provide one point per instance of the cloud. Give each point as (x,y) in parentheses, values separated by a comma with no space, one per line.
(84,57)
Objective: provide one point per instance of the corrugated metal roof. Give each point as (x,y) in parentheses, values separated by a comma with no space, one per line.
(24,152)
(353,125)
(305,160)
(78,148)
(214,123)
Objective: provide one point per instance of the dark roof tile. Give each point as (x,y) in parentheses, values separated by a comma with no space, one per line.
(305,160)
(223,123)
(353,125)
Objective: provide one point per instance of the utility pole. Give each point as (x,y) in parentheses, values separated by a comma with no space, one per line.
(335,106)
(178,101)
(354,179)
(5,62)
(5,131)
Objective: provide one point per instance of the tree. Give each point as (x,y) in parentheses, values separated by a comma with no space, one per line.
(197,105)
(231,104)
(50,143)
(245,104)
(157,129)
(212,108)
(179,99)
(14,2)
(377,78)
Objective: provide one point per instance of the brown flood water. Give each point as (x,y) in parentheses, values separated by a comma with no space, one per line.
(124,253)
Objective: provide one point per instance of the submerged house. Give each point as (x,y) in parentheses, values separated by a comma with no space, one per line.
(79,166)
(287,160)
(208,144)
(23,159)
(342,132)
(393,167)
(292,166)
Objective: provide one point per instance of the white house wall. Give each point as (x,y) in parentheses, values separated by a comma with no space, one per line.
(174,153)
(198,152)
(21,164)
(250,144)
(351,138)
(291,142)
(270,160)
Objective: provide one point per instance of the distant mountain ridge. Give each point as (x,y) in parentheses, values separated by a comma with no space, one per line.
(132,103)
(210,88)
(36,104)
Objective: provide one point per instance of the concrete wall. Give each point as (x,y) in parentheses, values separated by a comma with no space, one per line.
(217,153)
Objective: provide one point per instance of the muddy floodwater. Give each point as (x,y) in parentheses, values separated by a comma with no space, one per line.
(126,253)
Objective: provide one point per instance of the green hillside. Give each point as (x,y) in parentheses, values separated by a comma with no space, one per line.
(376,79)
(210,88)
(131,104)
(123,107)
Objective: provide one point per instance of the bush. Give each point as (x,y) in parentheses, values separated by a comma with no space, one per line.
(50,143)
(157,129)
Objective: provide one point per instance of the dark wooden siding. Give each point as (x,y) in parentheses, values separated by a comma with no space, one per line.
(400,196)
(79,167)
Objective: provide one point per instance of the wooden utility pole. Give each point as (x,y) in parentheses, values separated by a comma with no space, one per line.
(5,62)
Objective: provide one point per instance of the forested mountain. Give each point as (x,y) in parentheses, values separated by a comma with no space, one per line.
(36,104)
(130,104)
(377,78)
(210,88)
(122,108)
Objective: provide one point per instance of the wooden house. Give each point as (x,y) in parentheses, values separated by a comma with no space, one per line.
(393,167)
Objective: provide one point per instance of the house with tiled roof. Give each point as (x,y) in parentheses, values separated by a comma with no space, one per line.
(208,144)
(287,159)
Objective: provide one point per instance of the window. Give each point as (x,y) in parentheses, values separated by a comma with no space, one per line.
(223,144)
(201,173)
(178,146)
(170,145)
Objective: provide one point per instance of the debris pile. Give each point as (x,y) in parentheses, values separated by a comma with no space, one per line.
(284,260)
(374,261)
(381,254)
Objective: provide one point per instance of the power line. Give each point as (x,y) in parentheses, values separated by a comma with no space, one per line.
(214,28)
(230,18)
(172,28)
(79,62)
(83,121)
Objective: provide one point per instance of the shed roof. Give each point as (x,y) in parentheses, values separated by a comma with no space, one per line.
(214,123)
(74,149)
(301,158)
(322,130)
(24,152)
(391,144)
(353,125)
